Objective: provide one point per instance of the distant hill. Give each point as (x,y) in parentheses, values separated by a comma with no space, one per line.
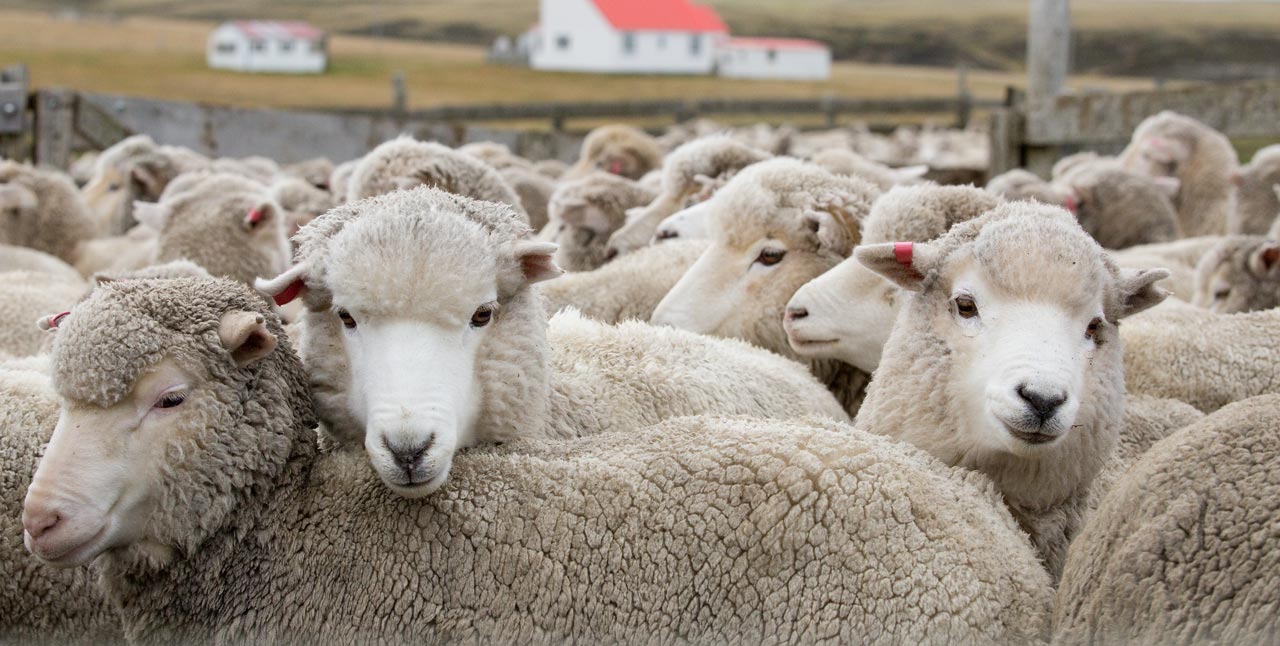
(1185,39)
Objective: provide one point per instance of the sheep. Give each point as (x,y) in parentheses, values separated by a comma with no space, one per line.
(628,288)
(259,169)
(1180,257)
(340,180)
(532,187)
(1147,420)
(690,223)
(232,525)
(406,163)
(315,171)
(1120,208)
(686,174)
(1006,358)
(496,155)
(1019,184)
(1208,360)
(1257,193)
(777,225)
(552,169)
(1066,164)
(1183,549)
(301,201)
(1172,145)
(423,337)
(585,211)
(133,250)
(38,605)
(848,312)
(26,296)
(1240,274)
(133,170)
(618,149)
(842,161)
(43,210)
(25,259)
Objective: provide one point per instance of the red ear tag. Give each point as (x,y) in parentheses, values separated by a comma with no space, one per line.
(56,319)
(615,167)
(1071,204)
(255,216)
(902,251)
(291,292)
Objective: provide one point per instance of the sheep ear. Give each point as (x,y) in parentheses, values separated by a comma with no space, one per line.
(1237,178)
(245,336)
(537,260)
(287,286)
(258,216)
(151,173)
(1265,260)
(1168,185)
(1138,291)
(904,264)
(837,230)
(910,173)
(151,214)
(49,323)
(1157,150)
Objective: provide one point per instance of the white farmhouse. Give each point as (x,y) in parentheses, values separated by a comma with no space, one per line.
(268,46)
(627,36)
(775,58)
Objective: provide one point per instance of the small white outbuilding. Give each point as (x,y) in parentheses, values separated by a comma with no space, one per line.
(774,58)
(268,46)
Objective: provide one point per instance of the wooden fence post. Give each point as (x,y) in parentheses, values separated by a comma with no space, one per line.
(964,100)
(55,118)
(1048,59)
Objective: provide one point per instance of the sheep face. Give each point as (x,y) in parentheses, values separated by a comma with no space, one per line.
(114,188)
(426,326)
(18,213)
(1021,320)
(1241,274)
(845,314)
(688,224)
(641,222)
(106,476)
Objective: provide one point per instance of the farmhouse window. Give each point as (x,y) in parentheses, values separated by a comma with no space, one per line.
(695,44)
(226,48)
(773,55)
(562,42)
(317,46)
(629,43)
(286,45)
(259,46)
(662,41)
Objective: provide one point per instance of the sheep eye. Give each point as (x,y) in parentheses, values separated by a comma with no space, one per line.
(483,315)
(1222,294)
(1091,332)
(346,318)
(769,257)
(113,187)
(965,307)
(171,400)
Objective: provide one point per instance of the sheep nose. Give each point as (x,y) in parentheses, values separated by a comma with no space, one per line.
(407,457)
(794,313)
(610,254)
(39,522)
(1044,405)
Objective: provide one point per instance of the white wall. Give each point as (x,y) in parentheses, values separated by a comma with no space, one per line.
(811,64)
(290,56)
(594,45)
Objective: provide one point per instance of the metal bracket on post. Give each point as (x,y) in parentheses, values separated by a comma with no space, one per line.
(13,100)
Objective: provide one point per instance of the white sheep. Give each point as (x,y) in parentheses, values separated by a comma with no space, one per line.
(221,519)
(1180,257)
(25,297)
(1208,360)
(407,163)
(423,337)
(848,311)
(777,225)
(1200,158)
(1257,193)
(25,259)
(42,209)
(691,173)
(301,201)
(1240,274)
(583,213)
(1184,549)
(1006,358)
(618,149)
(628,288)
(133,170)
(842,161)
(1120,208)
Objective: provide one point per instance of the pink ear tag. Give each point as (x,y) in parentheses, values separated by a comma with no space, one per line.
(255,216)
(615,167)
(902,252)
(1071,204)
(291,292)
(56,319)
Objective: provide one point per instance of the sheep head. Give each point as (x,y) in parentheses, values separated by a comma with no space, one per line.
(178,399)
(1008,347)
(1240,274)
(422,335)
(777,225)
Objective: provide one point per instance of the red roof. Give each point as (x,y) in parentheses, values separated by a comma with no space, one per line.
(265,29)
(660,15)
(775,43)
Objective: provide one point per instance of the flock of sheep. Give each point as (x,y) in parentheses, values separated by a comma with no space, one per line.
(775,398)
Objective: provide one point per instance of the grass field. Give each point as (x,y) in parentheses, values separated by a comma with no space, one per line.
(165,58)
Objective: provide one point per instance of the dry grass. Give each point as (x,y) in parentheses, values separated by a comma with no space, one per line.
(165,58)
